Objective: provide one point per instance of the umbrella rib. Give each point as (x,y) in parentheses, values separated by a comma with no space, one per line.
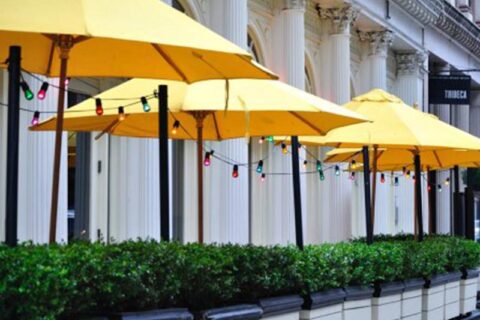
(438,159)
(50,57)
(110,128)
(321,132)
(170,61)
(216,127)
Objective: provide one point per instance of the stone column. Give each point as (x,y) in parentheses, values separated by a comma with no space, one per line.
(475,113)
(461,114)
(444,203)
(226,216)
(335,198)
(272,201)
(34,168)
(409,87)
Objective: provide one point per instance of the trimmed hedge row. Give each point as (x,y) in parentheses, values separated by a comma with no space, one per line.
(48,282)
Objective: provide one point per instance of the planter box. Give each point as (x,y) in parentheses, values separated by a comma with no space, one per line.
(386,301)
(358,303)
(167,314)
(433,298)
(452,295)
(281,308)
(326,305)
(468,291)
(237,312)
(411,305)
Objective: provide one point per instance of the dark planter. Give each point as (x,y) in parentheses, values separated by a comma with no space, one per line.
(167,314)
(280,305)
(237,312)
(323,299)
(388,289)
(470,274)
(358,293)
(413,284)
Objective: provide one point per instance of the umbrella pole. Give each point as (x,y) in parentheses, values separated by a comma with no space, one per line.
(418,196)
(374,185)
(65,42)
(200,116)
(163,159)
(297,201)
(366,183)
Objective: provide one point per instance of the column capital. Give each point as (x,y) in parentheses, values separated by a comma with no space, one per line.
(294,4)
(411,63)
(378,41)
(341,17)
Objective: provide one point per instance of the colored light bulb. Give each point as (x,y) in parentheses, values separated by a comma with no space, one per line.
(235,171)
(447,181)
(284,148)
(121,114)
(429,188)
(439,188)
(261,140)
(43,91)
(263,177)
(270,138)
(206,161)
(99,107)
(408,174)
(319,165)
(404,170)
(175,127)
(36,118)
(337,170)
(26,90)
(146,106)
(67,81)
(305,163)
(354,164)
(382,178)
(396,182)
(322,176)
(260,166)
(352,176)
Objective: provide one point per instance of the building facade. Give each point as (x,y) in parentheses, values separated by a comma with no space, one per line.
(334,49)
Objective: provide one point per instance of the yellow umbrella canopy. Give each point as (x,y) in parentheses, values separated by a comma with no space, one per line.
(161,41)
(254,108)
(394,125)
(397,159)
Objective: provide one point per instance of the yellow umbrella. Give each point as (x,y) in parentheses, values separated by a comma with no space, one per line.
(127,38)
(203,111)
(393,125)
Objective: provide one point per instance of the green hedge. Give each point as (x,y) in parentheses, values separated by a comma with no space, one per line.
(48,282)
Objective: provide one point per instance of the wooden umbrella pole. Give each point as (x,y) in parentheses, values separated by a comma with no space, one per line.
(374,184)
(65,42)
(200,116)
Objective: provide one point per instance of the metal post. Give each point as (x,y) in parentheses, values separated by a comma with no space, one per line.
(297,194)
(368,207)
(418,196)
(163,158)
(12,145)
(199,118)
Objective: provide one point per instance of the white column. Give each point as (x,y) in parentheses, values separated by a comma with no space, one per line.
(409,87)
(272,201)
(444,209)
(475,113)
(336,206)
(462,121)
(35,168)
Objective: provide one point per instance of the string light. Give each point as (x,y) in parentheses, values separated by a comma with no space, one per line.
(352,175)
(447,181)
(207,161)
(263,177)
(261,140)
(235,171)
(260,166)
(396,182)
(319,165)
(36,118)
(99,107)
(322,175)
(337,170)
(270,138)
(439,188)
(146,106)
(354,164)
(284,148)
(408,174)
(67,81)
(175,127)
(382,178)
(121,114)
(429,188)
(43,91)
(26,90)
(404,170)
(305,163)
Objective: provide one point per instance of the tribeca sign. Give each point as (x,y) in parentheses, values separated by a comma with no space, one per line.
(449,89)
